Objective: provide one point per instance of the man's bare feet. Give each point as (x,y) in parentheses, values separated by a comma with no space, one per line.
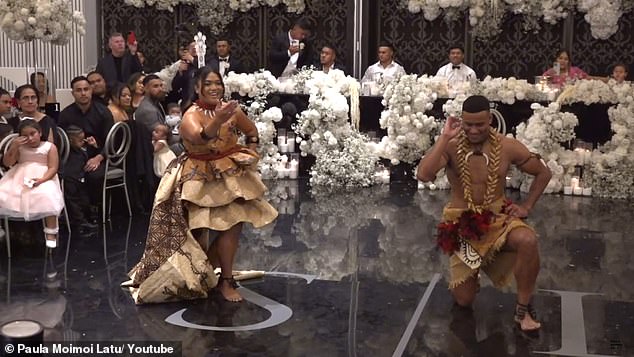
(227,287)
(525,318)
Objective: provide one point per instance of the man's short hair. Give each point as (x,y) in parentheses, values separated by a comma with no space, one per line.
(328,45)
(456,47)
(4,92)
(621,64)
(115,34)
(73,130)
(149,78)
(476,104)
(225,39)
(93,72)
(386,44)
(78,79)
(303,23)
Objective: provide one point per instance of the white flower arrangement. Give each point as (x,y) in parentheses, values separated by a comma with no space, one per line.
(217,14)
(51,21)
(409,129)
(167,74)
(486,16)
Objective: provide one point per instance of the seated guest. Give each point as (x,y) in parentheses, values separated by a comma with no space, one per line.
(30,189)
(224,62)
(135,83)
(75,186)
(39,81)
(28,98)
(328,60)
(566,71)
(98,85)
(119,64)
(120,100)
(96,121)
(386,69)
(620,72)
(5,111)
(455,71)
(290,51)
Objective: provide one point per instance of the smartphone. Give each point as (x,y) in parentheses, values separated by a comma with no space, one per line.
(131,38)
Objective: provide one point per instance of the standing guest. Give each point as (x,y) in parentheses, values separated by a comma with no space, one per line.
(39,81)
(183,82)
(120,100)
(5,111)
(163,156)
(141,56)
(119,64)
(290,51)
(565,71)
(620,72)
(96,121)
(135,83)
(496,240)
(214,186)
(456,71)
(150,112)
(28,98)
(98,85)
(386,69)
(30,189)
(328,60)
(75,185)
(224,62)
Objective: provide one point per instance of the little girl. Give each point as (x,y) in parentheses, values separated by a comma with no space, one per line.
(30,189)
(163,155)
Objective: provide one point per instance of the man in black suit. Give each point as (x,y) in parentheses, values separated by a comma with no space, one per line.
(224,62)
(291,51)
(328,60)
(95,120)
(118,65)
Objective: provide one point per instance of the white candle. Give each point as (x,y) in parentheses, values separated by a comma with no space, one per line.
(587,191)
(281,140)
(577,191)
(574,182)
(567,190)
(283,147)
(292,173)
(291,145)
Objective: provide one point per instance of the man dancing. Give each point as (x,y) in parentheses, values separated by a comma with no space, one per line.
(480,229)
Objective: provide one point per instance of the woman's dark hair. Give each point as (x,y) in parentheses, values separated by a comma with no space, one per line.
(22,88)
(562,51)
(134,77)
(33,80)
(116,91)
(29,123)
(199,77)
(621,64)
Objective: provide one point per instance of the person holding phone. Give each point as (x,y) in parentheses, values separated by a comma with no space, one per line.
(208,193)
(118,65)
(291,50)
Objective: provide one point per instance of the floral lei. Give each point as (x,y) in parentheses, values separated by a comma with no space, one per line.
(476,220)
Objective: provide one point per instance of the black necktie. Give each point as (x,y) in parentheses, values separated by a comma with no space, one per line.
(456,66)
(223,59)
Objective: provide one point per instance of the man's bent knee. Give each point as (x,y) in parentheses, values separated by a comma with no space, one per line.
(523,238)
(465,293)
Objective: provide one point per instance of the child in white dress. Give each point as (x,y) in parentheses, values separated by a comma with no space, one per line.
(163,155)
(30,189)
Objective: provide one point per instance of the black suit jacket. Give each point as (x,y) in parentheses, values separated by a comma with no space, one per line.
(234,65)
(96,122)
(278,54)
(129,65)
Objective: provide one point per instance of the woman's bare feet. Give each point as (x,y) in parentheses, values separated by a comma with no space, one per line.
(227,287)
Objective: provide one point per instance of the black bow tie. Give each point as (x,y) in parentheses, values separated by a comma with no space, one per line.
(456,66)
(223,59)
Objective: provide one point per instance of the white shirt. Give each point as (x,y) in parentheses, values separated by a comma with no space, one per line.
(458,75)
(389,72)
(223,66)
(291,66)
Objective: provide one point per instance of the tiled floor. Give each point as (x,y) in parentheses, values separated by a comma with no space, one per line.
(378,287)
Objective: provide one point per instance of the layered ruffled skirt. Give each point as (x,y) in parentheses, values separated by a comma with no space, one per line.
(197,191)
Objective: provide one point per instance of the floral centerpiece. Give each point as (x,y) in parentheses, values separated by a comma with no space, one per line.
(48,20)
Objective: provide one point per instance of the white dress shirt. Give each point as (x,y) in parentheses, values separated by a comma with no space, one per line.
(291,66)
(389,72)
(456,74)
(223,66)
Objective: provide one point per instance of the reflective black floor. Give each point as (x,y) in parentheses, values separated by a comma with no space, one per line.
(357,274)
